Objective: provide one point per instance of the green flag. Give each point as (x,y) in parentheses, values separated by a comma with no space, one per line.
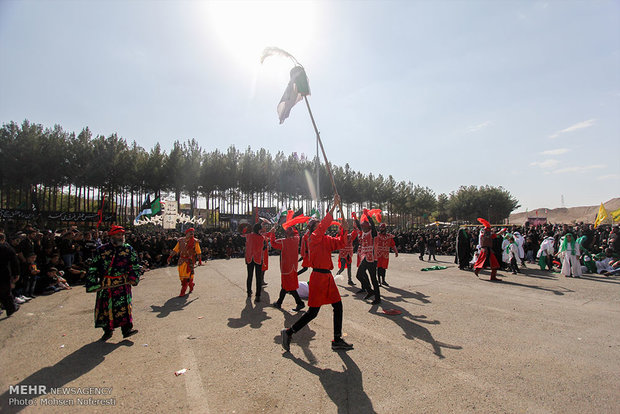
(155,207)
(295,91)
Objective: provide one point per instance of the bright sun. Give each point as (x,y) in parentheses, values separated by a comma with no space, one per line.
(245,28)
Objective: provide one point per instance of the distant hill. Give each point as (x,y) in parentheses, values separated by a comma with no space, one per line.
(566,215)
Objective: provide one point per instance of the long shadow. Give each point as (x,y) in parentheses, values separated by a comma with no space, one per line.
(405,294)
(301,338)
(173,304)
(604,279)
(63,372)
(253,315)
(555,291)
(411,329)
(537,273)
(345,389)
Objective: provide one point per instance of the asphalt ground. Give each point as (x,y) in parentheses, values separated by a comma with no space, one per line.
(536,342)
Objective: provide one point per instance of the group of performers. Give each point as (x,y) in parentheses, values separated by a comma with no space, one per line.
(315,248)
(116,268)
(513,252)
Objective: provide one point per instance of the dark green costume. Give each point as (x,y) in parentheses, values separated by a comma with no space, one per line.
(112,274)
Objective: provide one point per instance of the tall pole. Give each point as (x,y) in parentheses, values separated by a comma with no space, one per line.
(318,183)
(318,138)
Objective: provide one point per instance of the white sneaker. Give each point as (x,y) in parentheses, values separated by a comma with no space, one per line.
(19,301)
(26,298)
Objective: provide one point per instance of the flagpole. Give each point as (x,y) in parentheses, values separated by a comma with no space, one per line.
(318,137)
(318,182)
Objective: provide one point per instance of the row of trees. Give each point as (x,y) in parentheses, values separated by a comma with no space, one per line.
(62,170)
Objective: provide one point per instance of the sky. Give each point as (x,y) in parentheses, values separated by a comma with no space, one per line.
(519,94)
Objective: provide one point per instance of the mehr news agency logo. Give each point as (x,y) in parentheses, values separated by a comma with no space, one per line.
(26,395)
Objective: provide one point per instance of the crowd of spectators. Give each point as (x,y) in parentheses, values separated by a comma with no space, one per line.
(49,261)
(600,243)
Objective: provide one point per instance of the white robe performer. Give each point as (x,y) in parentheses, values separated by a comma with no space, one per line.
(569,255)
(520,240)
(545,252)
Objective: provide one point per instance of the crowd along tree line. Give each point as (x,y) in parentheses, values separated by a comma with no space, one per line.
(62,171)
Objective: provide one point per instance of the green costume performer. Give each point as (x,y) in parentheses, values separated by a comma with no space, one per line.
(115,269)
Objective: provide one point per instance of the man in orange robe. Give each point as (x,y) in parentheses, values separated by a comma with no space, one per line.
(188,250)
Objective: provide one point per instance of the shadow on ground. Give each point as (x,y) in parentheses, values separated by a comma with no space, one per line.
(173,304)
(560,291)
(410,324)
(66,370)
(605,279)
(301,338)
(345,389)
(253,314)
(405,294)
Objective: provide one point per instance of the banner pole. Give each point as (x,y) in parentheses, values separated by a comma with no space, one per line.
(318,137)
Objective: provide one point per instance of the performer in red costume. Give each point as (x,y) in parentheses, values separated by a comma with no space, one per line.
(265,265)
(345,256)
(323,289)
(254,245)
(305,254)
(486,256)
(366,257)
(383,243)
(289,254)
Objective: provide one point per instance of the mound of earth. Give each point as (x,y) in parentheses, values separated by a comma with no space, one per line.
(566,215)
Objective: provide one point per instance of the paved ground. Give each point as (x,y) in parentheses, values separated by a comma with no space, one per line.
(534,343)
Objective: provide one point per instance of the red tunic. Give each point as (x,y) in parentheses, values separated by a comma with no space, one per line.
(304,250)
(486,256)
(383,244)
(254,248)
(288,260)
(323,289)
(265,265)
(347,251)
(366,247)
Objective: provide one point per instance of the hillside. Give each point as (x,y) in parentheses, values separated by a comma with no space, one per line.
(566,215)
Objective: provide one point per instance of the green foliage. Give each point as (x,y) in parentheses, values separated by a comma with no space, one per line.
(493,203)
(31,156)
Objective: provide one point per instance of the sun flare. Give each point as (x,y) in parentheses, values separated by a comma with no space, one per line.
(245,28)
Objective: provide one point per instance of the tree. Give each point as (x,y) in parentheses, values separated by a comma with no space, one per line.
(493,203)
(442,207)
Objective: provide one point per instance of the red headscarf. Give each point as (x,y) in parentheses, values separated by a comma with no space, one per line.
(116,230)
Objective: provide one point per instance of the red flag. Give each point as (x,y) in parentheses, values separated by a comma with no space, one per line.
(289,215)
(100,211)
(294,221)
(484,223)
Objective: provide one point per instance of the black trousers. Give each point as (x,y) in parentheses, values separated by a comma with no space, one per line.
(314,311)
(361,275)
(254,268)
(343,264)
(513,265)
(293,293)
(124,329)
(549,262)
(381,273)
(6,298)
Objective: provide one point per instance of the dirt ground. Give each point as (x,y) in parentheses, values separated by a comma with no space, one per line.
(533,343)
